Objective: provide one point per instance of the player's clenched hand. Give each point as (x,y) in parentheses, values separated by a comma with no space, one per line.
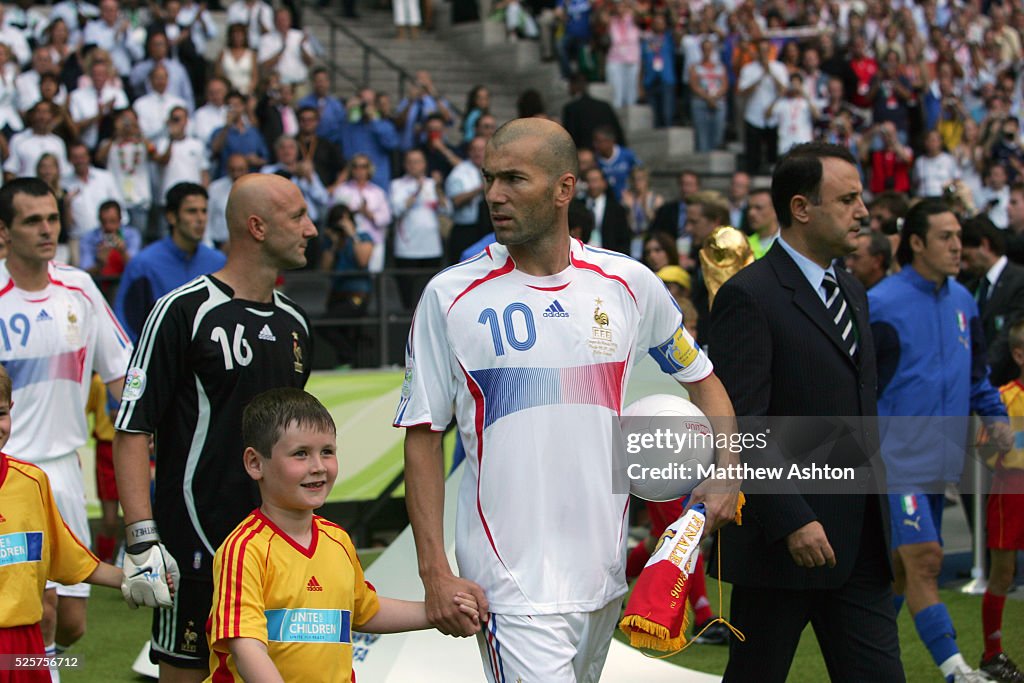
(150,572)
(809,546)
(719,498)
(447,615)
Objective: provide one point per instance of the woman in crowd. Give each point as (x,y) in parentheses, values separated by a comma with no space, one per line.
(58,38)
(970,158)
(346,250)
(709,85)
(127,155)
(368,203)
(10,121)
(48,170)
(641,203)
(622,64)
(237,61)
(63,125)
(478,103)
(660,251)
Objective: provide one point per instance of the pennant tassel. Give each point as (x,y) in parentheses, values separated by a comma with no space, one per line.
(655,616)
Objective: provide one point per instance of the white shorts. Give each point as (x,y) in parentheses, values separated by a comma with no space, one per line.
(548,648)
(65,474)
(406,12)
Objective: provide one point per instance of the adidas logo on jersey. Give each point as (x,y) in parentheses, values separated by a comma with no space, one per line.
(43,316)
(314,585)
(266,334)
(555,310)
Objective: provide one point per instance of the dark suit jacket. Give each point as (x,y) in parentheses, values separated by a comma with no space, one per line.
(666,219)
(615,232)
(777,351)
(1005,306)
(582,115)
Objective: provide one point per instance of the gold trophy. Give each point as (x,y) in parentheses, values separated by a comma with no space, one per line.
(725,253)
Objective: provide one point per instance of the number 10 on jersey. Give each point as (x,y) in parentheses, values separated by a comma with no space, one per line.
(489,317)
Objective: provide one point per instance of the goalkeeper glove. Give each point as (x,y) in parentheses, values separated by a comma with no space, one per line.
(150,573)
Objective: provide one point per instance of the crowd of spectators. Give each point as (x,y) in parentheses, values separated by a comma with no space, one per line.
(120,101)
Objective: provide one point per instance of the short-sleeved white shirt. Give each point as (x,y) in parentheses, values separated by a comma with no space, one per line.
(535,369)
(51,341)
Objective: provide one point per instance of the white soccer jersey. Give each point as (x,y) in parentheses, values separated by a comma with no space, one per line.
(535,369)
(51,341)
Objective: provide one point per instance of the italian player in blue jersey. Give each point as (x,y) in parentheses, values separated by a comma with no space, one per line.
(530,344)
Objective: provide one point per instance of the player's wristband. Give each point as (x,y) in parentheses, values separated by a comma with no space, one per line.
(140,535)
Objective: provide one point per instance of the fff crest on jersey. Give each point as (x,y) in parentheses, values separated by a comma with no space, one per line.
(602,341)
(73,332)
(297,352)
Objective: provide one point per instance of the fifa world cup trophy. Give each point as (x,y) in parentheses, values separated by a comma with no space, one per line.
(725,253)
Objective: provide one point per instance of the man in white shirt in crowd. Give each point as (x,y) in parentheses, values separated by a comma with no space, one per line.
(88,187)
(27,19)
(465,187)
(90,104)
(213,114)
(15,40)
(113,33)
(26,147)
(935,169)
(256,15)
(27,82)
(286,50)
(761,82)
(995,196)
(196,19)
(794,115)
(216,234)
(154,107)
(182,158)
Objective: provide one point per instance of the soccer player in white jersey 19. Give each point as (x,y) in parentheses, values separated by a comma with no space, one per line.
(530,345)
(55,330)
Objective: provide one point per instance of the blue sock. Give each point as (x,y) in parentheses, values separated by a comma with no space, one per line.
(897,602)
(937,633)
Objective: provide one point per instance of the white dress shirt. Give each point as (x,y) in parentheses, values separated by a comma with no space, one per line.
(153,110)
(97,187)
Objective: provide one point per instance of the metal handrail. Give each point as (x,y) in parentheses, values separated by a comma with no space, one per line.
(368,52)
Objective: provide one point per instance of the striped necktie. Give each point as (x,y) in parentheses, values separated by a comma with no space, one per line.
(835,302)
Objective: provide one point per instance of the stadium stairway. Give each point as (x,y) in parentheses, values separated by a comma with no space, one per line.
(463,55)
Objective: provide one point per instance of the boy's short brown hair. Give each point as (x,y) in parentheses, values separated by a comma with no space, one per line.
(269,414)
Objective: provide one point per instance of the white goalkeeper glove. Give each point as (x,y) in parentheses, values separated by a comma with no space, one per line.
(150,572)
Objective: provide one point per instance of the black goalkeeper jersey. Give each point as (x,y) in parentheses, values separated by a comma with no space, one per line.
(201,357)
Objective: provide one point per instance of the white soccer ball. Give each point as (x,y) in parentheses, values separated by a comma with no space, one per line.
(669,446)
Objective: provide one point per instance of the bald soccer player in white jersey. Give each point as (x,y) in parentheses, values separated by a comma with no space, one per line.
(530,345)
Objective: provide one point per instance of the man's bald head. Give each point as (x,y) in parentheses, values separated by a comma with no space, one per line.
(254,194)
(555,150)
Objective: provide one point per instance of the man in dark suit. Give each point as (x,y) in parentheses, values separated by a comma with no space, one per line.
(611,223)
(999,291)
(585,114)
(802,558)
(671,217)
